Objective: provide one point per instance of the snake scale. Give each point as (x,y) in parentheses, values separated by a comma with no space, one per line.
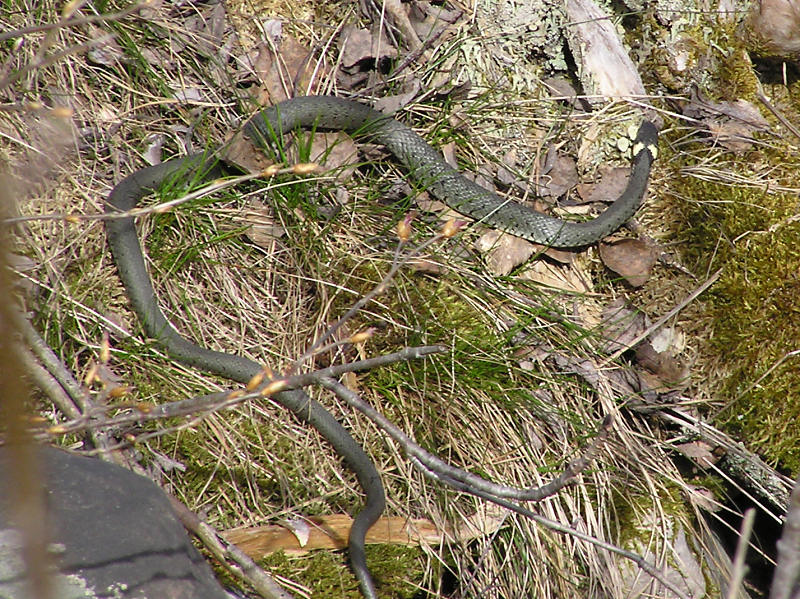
(427,170)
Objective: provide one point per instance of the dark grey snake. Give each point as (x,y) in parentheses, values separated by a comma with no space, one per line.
(428,170)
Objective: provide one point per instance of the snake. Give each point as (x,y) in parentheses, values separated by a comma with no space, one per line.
(426,169)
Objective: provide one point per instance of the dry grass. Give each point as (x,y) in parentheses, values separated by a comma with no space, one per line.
(476,408)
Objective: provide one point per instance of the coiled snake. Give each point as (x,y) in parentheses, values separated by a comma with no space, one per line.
(427,169)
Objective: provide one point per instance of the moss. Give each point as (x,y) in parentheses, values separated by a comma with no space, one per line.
(394,568)
(751,314)
(734,78)
(705,54)
(633,508)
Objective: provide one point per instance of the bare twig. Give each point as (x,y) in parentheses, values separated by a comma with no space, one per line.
(558,527)
(778,115)
(739,568)
(236,561)
(141,412)
(162,207)
(53,365)
(47,384)
(786,580)
(465,481)
(53,58)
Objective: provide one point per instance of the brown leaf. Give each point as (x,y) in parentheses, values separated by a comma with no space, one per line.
(505,170)
(732,135)
(285,68)
(731,124)
(702,497)
(106,53)
(244,154)
(336,152)
(562,88)
(631,258)
(263,229)
(363,50)
(331,532)
(620,326)
(612,183)
(671,371)
(561,177)
(503,252)
(557,277)
(700,452)
(427,266)
(391,104)
(429,21)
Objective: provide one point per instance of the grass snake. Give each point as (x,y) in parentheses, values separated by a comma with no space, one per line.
(427,170)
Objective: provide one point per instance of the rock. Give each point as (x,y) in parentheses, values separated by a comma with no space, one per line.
(114,534)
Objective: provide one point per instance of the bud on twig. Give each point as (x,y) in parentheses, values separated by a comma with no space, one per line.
(452,227)
(404,226)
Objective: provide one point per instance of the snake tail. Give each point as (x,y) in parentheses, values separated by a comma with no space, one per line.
(127,253)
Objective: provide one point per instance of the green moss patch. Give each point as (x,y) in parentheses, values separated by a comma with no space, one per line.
(752,314)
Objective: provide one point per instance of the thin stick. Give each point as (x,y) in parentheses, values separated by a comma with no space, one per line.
(74,22)
(784,121)
(435,467)
(236,561)
(739,569)
(786,580)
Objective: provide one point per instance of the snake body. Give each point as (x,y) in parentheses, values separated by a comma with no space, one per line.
(430,172)
(127,252)
(427,169)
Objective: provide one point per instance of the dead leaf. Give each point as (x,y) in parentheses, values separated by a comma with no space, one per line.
(668,339)
(299,528)
(245,155)
(620,326)
(427,266)
(336,153)
(285,69)
(554,276)
(503,252)
(362,50)
(700,452)
(670,370)
(152,155)
(448,151)
(107,51)
(630,258)
(619,380)
(331,532)
(505,170)
(702,497)
(263,230)
(562,89)
(561,177)
(732,135)
(430,21)
(392,104)
(731,124)
(612,182)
